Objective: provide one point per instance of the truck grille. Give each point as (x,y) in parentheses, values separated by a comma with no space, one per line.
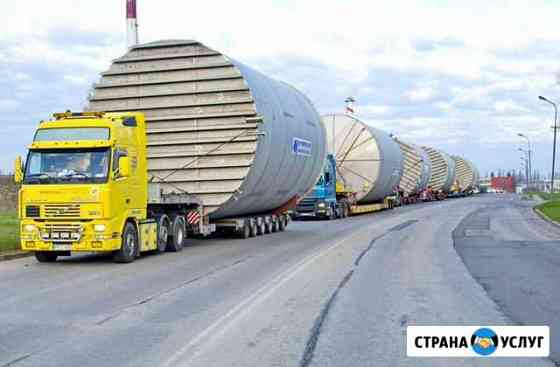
(62,232)
(32,211)
(306,206)
(61,211)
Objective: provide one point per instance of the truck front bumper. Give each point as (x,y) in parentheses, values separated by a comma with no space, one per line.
(69,236)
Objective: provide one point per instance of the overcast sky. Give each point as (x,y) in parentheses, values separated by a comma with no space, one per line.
(462,76)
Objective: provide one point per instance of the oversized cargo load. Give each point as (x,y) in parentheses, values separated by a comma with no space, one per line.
(443,170)
(466,174)
(368,161)
(240,141)
(417,168)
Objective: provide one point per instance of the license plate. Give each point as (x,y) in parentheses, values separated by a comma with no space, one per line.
(62,247)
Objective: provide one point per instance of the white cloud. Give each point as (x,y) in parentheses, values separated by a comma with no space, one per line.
(421,94)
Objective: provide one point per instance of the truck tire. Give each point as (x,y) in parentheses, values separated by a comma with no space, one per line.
(274,225)
(332,213)
(261,228)
(163,229)
(129,245)
(45,256)
(176,240)
(282,223)
(253,231)
(245,232)
(268,227)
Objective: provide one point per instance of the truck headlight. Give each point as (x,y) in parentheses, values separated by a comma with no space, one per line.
(321,205)
(29,228)
(99,228)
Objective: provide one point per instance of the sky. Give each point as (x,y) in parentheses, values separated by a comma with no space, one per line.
(461,76)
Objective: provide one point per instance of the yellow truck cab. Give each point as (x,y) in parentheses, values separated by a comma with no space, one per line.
(84,187)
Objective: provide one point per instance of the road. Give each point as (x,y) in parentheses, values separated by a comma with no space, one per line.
(323,293)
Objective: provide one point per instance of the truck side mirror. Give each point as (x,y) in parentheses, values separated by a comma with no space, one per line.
(124,166)
(18,170)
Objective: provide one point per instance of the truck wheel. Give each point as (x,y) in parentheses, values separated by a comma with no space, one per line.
(45,256)
(282,223)
(176,240)
(129,245)
(163,229)
(268,227)
(332,214)
(261,228)
(245,232)
(253,231)
(274,224)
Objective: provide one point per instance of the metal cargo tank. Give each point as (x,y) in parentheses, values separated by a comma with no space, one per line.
(443,170)
(417,168)
(240,141)
(467,175)
(368,160)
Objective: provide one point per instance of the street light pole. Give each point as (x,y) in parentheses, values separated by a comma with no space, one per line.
(529,150)
(526,166)
(554,144)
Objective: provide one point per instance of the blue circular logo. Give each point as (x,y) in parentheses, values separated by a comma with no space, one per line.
(484,341)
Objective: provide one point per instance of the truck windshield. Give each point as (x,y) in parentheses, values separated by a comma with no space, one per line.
(67,166)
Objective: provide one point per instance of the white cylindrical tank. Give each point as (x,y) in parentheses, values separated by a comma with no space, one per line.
(466,174)
(243,143)
(369,162)
(417,168)
(443,170)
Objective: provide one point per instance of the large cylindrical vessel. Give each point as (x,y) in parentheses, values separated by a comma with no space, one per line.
(240,141)
(369,162)
(443,170)
(417,168)
(466,174)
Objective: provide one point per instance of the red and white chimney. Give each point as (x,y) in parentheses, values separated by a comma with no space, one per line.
(350,105)
(131,24)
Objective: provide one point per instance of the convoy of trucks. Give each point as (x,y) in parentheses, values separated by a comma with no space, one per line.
(180,140)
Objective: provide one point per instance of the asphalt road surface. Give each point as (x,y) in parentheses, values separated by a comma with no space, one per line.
(322,293)
(515,256)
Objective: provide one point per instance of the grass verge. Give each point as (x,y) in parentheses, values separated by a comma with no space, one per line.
(9,232)
(551,209)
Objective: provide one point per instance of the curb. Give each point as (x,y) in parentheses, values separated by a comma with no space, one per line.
(14,255)
(541,214)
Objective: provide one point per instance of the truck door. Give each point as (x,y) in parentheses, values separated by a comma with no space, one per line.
(122,189)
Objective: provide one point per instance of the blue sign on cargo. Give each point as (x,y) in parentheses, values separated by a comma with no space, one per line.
(301,147)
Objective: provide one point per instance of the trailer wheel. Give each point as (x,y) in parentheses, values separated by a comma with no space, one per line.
(45,256)
(274,224)
(176,241)
(253,231)
(282,223)
(245,232)
(129,245)
(163,229)
(261,228)
(268,226)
